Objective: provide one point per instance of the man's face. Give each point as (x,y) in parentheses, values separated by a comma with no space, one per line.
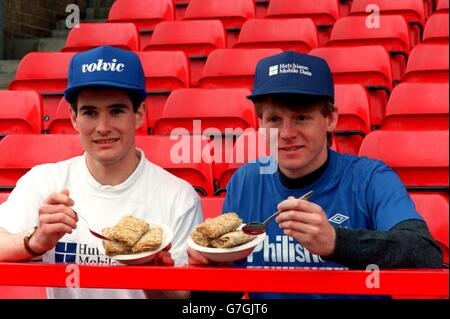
(302,135)
(107,123)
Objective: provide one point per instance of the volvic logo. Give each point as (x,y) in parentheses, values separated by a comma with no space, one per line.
(103,66)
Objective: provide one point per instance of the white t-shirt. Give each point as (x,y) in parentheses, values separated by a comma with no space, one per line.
(149,193)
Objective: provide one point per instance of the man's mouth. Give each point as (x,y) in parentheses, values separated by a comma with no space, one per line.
(106,141)
(291,148)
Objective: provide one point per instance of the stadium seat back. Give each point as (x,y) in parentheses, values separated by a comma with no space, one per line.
(412,10)
(436,29)
(45,73)
(369,66)
(353,125)
(393,34)
(20,153)
(232,68)
(20,112)
(422,68)
(298,35)
(324,13)
(181,158)
(196,38)
(144,14)
(418,106)
(90,35)
(212,206)
(221,110)
(434,210)
(233,14)
(164,72)
(442,6)
(420,158)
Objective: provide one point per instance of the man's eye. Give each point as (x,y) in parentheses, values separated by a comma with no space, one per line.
(302,118)
(116,111)
(89,113)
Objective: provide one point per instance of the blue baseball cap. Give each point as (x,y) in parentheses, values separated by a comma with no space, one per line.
(105,66)
(293,73)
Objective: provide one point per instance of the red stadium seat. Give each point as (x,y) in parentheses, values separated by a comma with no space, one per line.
(61,123)
(428,63)
(261,8)
(20,112)
(233,14)
(22,292)
(434,210)
(144,14)
(90,35)
(419,158)
(366,65)
(222,110)
(196,38)
(353,125)
(442,6)
(179,157)
(180,8)
(46,73)
(393,34)
(3,197)
(418,106)
(212,206)
(232,68)
(291,34)
(412,10)
(324,13)
(436,29)
(22,152)
(164,72)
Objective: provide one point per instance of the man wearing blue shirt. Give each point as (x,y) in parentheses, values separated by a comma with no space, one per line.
(360,213)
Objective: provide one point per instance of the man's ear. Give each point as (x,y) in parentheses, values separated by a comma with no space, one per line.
(73,119)
(140,115)
(332,121)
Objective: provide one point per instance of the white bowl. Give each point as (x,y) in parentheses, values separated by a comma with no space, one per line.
(227,254)
(145,257)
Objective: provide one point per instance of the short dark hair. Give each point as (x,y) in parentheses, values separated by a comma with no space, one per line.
(294,101)
(136,101)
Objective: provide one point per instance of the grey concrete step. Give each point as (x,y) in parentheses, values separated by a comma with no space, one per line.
(60,33)
(50,44)
(7,72)
(100,3)
(97,13)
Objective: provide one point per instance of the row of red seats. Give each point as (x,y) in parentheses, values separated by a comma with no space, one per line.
(209,163)
(412,106)
(199,38)
(234,13)
(165,71)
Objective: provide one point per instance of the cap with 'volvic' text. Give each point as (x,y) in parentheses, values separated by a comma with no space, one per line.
(293,73)
(105,66)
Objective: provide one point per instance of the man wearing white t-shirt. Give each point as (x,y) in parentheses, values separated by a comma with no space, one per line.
(106,90)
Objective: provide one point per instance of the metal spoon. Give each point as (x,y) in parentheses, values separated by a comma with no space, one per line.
(92,232)
(256,228)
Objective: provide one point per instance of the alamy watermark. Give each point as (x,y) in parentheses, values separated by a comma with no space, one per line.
(373,279)
(73,19)
(373,19)
(251,145)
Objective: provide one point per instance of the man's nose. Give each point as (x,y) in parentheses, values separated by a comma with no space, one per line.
(288,130)
(103,124)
